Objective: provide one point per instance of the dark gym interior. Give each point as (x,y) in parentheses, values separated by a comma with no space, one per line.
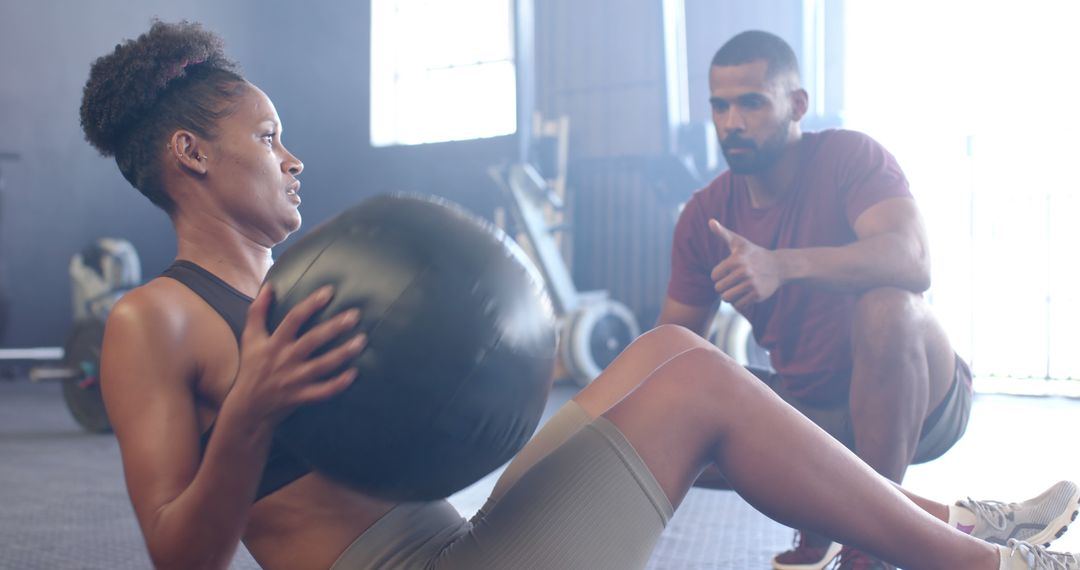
(627,82)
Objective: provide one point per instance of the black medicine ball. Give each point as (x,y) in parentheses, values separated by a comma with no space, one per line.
(461,347)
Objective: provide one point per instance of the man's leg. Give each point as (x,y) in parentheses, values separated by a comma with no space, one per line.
(902,368)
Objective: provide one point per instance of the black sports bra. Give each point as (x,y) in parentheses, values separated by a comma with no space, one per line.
(282,466)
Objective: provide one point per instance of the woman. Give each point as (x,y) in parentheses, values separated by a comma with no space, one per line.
(194,386)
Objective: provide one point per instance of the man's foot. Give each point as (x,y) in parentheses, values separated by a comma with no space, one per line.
(852,559)
(1023,556)
(1035,521)
(811,552)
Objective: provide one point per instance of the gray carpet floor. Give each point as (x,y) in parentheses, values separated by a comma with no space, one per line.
(63,504)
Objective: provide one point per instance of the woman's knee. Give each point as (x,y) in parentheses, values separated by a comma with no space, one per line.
(665,342)
(699,375)
(637,363)
(677,335)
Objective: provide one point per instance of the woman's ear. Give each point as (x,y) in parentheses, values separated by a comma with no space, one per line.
(186,148)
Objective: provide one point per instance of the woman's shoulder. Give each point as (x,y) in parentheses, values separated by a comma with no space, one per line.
(160,298)
(161,310)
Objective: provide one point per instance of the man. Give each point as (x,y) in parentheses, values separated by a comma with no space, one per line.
(815,238)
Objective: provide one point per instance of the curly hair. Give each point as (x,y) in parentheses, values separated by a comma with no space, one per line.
(175,76)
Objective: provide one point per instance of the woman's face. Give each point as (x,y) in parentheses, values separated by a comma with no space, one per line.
(251,173)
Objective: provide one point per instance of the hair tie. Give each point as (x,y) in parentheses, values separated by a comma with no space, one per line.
(178,69)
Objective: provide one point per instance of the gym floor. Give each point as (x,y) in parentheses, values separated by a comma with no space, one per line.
(64,504)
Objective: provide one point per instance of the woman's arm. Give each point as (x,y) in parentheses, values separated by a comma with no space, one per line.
(192,510)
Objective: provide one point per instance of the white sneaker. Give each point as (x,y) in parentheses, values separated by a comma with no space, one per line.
(1023,556)
(1036,521)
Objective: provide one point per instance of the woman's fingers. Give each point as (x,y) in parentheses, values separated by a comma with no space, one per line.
(322,390)
(300,374)
(325,332)
(333,359)
(304,310)
(255,324)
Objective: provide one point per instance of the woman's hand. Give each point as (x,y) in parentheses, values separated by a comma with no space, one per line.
(277,373)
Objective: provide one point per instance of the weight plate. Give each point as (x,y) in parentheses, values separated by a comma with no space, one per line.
(82,351)
(597,333)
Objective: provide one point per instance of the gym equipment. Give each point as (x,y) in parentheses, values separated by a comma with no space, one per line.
(82,391)
(100,275)
(732,333)
(461,347)
(594,328)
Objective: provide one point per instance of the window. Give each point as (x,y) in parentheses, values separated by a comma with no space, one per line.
(442,71)
(974,99)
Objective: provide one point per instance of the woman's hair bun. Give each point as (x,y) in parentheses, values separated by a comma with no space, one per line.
(126,84)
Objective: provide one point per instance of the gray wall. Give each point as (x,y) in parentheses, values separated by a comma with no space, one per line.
(61,195)
(601,63)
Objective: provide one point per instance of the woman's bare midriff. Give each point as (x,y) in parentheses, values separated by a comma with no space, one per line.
(308,523)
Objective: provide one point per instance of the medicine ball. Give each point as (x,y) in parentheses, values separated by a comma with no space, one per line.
(461,347)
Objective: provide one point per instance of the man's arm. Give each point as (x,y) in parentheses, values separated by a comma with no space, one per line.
(692,317)
(890,251)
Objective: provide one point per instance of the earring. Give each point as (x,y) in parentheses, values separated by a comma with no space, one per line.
(201,156)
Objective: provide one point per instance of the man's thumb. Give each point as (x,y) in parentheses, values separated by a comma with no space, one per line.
(725,234)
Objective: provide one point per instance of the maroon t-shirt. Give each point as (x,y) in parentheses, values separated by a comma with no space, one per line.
(806,327)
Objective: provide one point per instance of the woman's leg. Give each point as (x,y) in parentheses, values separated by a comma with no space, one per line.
(939,510)
(625,374)
(701,407)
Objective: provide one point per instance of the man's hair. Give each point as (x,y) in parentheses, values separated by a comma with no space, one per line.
(756,45)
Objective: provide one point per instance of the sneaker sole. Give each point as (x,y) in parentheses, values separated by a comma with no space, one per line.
(1058,526)
(830,554)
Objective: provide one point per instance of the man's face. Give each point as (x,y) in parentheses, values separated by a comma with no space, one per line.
(752,115)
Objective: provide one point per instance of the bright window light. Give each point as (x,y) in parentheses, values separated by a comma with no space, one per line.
(442,71)
(975,100)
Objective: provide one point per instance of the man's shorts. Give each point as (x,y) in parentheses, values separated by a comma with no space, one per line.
(942,429)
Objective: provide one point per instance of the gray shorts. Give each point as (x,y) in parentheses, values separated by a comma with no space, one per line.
(590,503)
(942,429)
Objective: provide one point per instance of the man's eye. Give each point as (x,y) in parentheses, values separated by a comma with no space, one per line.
(719,106)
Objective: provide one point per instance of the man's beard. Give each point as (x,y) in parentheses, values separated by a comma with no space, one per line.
(759,159)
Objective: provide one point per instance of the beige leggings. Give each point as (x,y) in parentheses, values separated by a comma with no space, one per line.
(577,496)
